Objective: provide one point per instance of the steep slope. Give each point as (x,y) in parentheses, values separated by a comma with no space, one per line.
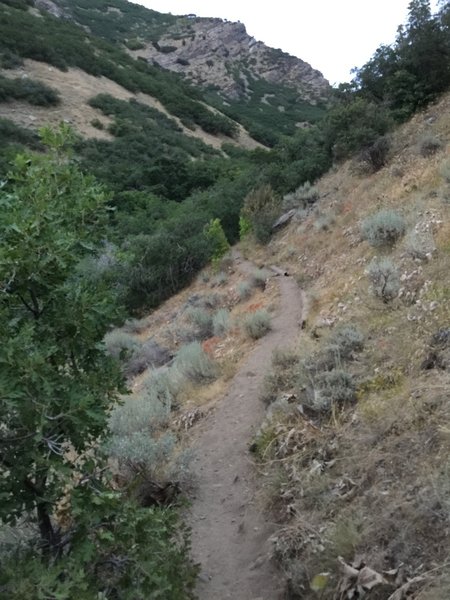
(356,439)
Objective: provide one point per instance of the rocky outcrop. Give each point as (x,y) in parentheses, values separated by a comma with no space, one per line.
(213,52)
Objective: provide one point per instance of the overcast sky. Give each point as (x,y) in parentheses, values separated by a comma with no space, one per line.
(332,35)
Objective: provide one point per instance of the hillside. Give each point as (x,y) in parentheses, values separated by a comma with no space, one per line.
(280,93)
(224,352)
(351,453)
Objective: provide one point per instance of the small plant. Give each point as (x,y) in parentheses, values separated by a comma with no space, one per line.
(257,324)
(202,322)
(335,386)
(284,358)
(384,228)
(429,145)
(244,290)
(261,208)
(221,322)
(385,279)
(193,362)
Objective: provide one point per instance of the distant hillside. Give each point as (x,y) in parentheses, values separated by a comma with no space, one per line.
(266,90)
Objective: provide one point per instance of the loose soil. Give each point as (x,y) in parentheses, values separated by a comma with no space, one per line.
(230,530)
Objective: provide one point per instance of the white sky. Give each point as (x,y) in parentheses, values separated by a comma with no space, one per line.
(332,35)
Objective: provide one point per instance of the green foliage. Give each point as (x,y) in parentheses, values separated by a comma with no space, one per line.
(56,381)
(193,362)
(58,386)
(216,236)
(245,227)
(345,341)
(29,90)
(64,44)
(385,279)
(118,551)
(354,125)
(257,324)
(14,139)
(383,228)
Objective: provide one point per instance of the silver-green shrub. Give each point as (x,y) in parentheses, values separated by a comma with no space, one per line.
(193,362)
(244,290)
(346,340)
(221,322)
(383,228)
(259,278)
(257,324)
(120,344)
(385,279)
(202,322)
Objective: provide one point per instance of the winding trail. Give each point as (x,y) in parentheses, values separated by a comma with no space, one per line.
(230,530)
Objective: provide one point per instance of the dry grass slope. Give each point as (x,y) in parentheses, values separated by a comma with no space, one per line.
(369,480)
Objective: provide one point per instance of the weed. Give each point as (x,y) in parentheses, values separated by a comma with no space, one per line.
(244,290)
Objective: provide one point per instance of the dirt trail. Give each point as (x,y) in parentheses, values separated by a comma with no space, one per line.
(229,528)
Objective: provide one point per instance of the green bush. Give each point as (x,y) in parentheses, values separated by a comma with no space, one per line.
(193,362)
(385,279)
(29,90)
(383,228)
(257,324)
(221,322)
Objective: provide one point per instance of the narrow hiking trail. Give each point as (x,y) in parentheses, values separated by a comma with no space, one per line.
(230,531)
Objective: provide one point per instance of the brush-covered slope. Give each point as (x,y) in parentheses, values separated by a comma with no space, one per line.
(356,438)
(267,91)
